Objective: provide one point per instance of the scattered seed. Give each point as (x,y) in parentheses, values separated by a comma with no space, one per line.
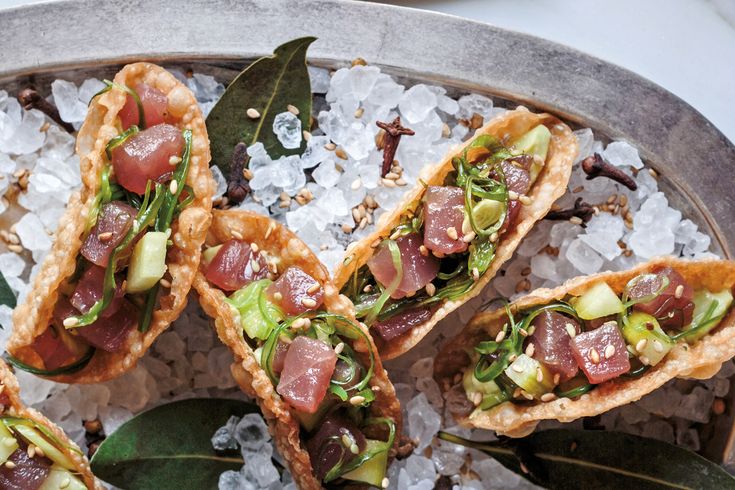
(609,351)
(385,483)
(72,321)
(539,375)
(356,184)
(517,368)
(557,378)
(679,292)
(252,113)
(104,237)
(548,397)
(15,248)
(501,335)
(174,160)
(594,356)
(469,237)
(330,146)
(9,464)
(270,229)
(494,236)
(346,228)
(576,220)
(513,195)
(475,274)
(523,332)
(357,400)
(359,112)
(530,349)
(340,153)
(657,346)
(392,176)
(424,251)
(308,302)
(430,289)
(236,234)
(165,283)
(339,347)
(293,109)
(255,266)
(525,200)
(612,198)
(389,183)
(641,345)
(452,233)
(173,186)
(653,173)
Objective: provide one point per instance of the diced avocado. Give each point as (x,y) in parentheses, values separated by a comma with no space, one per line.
(371,471)
(33,436)
(148,263)
(8,444)
(598,301)
(247,301)
(485,213)
(59,478)
(473,385)
(641,326)
(536,143)
(210,254)
(702,301)
(524,372)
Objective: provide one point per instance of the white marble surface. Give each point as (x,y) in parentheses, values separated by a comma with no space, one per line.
(686,46)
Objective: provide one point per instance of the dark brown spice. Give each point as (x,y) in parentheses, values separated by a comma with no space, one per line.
(594,166)
(29,98)
(581,210)
(405,447)
(238,187)
(391,138)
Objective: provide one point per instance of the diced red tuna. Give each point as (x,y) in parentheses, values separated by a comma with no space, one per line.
(550,341)
(418,269)
(89,291)
(113,223)
(673,311)
(53,350)
(235,266)
(296,292)
(601,353)
(146,156)
(444,209)
(110,333)
(279,356)
(327,448)
(401,323)
(307,369)
(517,175)
(27,473)
(155,107)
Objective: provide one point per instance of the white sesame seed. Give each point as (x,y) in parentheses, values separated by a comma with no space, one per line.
(526,395)
(512,195)
(277,296)
(594,356)
(174,160)
(308,302)
(354,449)
(517,368)
(452,233)
(357,400)
(609,351)
(641,345)
(424,251)
(385,483)
(330,146)
(576,220)
(339,348)
(548,397)
(430,289)
(530,349)
(105,236)
(165,283)
(65,482)
(9,464)
(356,184)
(469,237)
(679,292)
(72,321)
(644,360)
(31,451)
(525,200)
(252,113)
(389,183)
(557,378)
(657,346)
(236,234)
(494,236)
(293,109)
(539,375)
(314,288)
(173,186)
(501,335)
(347,440)
(475,274)
(570,330)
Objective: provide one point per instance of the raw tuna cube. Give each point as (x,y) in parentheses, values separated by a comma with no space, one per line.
(27,473)
(155,107)
(296,292)
(418,270)
(55,345)
(89,291)
(146,156)
(517,176)
(550,341)
(444,209)
(110,333)
(307,369)
(401,323)
(113,223)
(235,266)
(673,308)
(326,447)
(601,353)
(279,356)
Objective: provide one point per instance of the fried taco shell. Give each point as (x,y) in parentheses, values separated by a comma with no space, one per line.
(288,250)
(701,360)
(550,184)
(11,406)
(32,317)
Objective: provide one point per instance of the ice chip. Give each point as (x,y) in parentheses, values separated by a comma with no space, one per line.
(220,180)
(287,128)
(66,98)
(416,103)
(32,233)
(622,154)
(585,138)
(88,89)
(583,257)
(474,104)
(423,421)
(319,78)
(326,174)
(362,79)
(252,433)
(11,265)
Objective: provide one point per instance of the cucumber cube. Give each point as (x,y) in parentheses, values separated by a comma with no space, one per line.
(640,327)
(8,444)
(530,375)
(535,143)
(371,471)
(59,478)
(702,301)
(33,436)
(597,302)
(148,263)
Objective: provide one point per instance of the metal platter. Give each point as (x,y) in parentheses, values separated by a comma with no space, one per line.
(73,39)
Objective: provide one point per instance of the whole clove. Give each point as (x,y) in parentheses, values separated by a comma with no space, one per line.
(238,187)
(581,210)
(29,98)
(393,133)
(594,166)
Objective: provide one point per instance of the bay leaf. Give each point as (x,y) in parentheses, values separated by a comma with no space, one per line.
(7,297)
(269,85)
(568,459)
(169,447)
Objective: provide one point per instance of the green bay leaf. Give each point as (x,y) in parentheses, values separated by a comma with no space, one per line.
(170,447)
(7,297)
(268,85)
(564,459)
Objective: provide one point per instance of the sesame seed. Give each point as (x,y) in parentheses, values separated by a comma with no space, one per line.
(609,351)
(255,266)
(512,195)
(293,109)
(523,332)
(494,237)
(307,135)
(389,183)
(346,228)
(9,464)
(570,330)
(576,220)
(679,292)
(236,234)
(530,349)
(308,302)
(31,451)
(15,248)
(165,283)
(330,146)
(557,378)
(401,182)
(657,346)
(359,112)
(354,449)
(347,440)
(104,237)
(392,176)
(531,329)
(475,274)
(452,233)
(653,173)
(277,296)
(525,200)
(356,184)
(341,154)
(254,248)
(72,321)
(173,186)
(469,237)
(65,482)
(517,368)
(385,483)
(252,113)
(430,289)
(501,335)
(314,288)
(526,395)
(539,375)
(424,251)
(548,397)
(641,345)
(357,400)
(339,348)
(594,356)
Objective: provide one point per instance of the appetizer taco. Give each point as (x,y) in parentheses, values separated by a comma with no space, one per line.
(451,234)
(591,345)
(34,453)
(128,246)
(299,351)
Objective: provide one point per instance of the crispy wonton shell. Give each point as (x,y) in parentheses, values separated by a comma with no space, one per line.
(9,385)
(701,360)
(33,316)
(549,186)
(288,250)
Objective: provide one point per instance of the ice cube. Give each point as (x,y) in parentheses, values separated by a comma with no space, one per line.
(326,174)
(252,433)
(423,421)
(475,104)
(385,93)
(583,257)
(416,103)
(66,98)
(362,80)
(420,468)
(88,89)
(603,233)
(622,154)
(287,128)
(319,78)
(315,152)
(11,265)
(542,265)
(220,181)
(585,138)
